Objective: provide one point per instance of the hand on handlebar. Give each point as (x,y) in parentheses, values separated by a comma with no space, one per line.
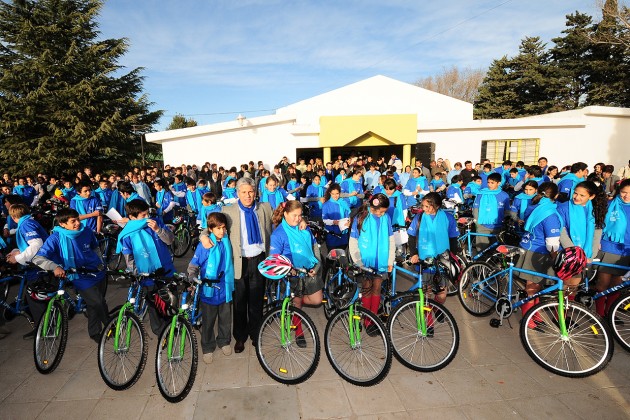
(59,272)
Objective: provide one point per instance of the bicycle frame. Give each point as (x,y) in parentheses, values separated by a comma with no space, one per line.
(132,304)
(20,305)
(624,284)
(469,247)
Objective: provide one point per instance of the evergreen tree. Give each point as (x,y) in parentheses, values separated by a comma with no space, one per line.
(63,100)
(571,55)
(179,121)
(497,97)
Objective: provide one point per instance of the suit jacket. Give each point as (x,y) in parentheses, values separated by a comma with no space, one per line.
(233,215)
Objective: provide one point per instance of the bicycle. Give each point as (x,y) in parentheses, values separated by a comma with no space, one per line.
(108,241)
(52,330)
(424,334)
(177,353)
(568,339)
(287,344)
(337,274)
(18,307)
(185,227)
(356,341)
(618,316)
(122,349)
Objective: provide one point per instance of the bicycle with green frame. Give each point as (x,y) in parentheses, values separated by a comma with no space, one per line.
(287,345)
(562,336)
(356,340)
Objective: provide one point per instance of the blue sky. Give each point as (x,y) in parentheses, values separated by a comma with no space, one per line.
(210,60)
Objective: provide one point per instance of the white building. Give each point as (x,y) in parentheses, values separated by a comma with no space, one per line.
(380,116)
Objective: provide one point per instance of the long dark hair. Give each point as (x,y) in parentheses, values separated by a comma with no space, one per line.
(334,186)
(546,189)
(623,184)
(600,201)
(377,201)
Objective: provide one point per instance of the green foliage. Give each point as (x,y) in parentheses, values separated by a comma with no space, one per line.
(179,121)
(64,100)
(579,70)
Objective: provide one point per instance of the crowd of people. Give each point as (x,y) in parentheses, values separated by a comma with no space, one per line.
(254,211)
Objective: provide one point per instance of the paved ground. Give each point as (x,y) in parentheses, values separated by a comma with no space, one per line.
(491,378)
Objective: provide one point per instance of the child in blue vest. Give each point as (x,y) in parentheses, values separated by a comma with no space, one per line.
(72,245)
(104,193)
(437,184)
(579,170)
(164,201)
(144,243)
(489,210)
(68,190)
(272,193)
(217,267)
(30,237)
(229,193)
(89,208)
(179,190)
(25,191)
(454,191)
(193,198)
(209,201)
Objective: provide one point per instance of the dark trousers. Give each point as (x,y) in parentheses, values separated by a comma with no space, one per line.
(209,314)
(96,306)
(248,299)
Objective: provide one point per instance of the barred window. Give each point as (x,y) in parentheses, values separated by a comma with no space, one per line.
(498,151)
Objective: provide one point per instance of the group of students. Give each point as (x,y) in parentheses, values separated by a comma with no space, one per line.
(265,217)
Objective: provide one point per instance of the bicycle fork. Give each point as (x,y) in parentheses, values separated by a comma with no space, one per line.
(127,306)
(421,320)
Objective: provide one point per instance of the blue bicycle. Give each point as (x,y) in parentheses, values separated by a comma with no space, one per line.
(18,307)
(562,336)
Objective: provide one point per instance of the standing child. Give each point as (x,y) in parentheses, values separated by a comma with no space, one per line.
(164,201)
(73,246)
(215,264)
(372,245)
(144,243)
(489,210)
(437,184)
(89,207)
(209,206)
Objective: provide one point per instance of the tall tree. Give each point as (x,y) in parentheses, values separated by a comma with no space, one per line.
(455,82)
(571,54)
(497,97)
(64,100)
(179,121)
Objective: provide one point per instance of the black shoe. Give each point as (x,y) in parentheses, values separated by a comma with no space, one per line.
(29,335)
(430,332)
(300,341)
(96,338)
(372,330)
(439,317)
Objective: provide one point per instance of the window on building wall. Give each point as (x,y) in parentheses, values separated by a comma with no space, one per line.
(498,151)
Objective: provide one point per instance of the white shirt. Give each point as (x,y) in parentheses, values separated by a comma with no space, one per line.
(248,250)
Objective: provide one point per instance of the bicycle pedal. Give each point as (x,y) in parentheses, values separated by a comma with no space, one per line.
(495,323)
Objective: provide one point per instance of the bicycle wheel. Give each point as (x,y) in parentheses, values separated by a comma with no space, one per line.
(121,367)
(329,285)
(587,348)
(181,243)
(50,343)
(475,293)
(141,304)
(424,353)
(289,363)
(619,320)
(368,361)
(176,374)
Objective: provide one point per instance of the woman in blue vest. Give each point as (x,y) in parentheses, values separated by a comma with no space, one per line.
(615,244)
(522,202)
(272,193)
(300,247)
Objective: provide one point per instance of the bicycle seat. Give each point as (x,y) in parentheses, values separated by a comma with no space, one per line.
(336,254)
(510,251)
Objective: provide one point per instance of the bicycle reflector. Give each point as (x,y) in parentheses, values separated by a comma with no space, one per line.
(275,267)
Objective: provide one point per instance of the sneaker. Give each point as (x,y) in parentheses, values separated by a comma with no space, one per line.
(372,330)
(29,335)
(430,332)
(208,358)
(300,341)
(227,350)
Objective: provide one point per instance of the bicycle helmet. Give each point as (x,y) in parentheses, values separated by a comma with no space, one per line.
(452,264)
(570,262)
(275,266)
(165,301)
(41,290)
(344,294)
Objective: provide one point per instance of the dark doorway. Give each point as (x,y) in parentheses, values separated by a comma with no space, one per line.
(425,153)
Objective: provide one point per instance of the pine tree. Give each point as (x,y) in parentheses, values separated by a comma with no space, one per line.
(497,97)
(571,55)
(179,121)
(63,100)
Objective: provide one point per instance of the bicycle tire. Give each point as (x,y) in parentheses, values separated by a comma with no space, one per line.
(176,376)
(423,353)
(369,361)
(50,345)
(329,305)
(288,364)
(181,243)
(121,369)
(142,304)
(619,320)
(586,350)
(477,298)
